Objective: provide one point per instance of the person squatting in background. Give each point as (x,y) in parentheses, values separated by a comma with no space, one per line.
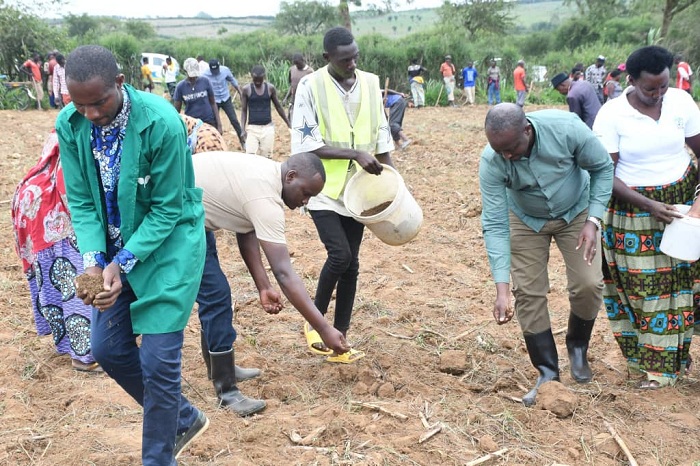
(396,103)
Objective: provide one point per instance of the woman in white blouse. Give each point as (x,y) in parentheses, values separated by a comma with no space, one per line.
(649,297)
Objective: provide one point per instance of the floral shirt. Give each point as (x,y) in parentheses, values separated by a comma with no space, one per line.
(106,143)
(39,208)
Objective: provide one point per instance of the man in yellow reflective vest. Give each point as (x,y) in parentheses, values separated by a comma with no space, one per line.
(338,115)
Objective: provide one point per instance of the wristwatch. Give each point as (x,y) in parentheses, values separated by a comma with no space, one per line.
(595,221)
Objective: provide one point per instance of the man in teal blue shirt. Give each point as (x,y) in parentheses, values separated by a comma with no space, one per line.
(544,176)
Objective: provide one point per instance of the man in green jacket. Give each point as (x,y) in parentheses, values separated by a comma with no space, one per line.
(140,225)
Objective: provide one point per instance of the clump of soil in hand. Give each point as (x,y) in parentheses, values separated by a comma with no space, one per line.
(376,209)
(91,284)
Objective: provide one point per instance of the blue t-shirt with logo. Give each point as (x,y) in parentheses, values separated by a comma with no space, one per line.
(196,99)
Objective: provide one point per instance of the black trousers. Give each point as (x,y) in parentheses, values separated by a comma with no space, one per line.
(342,237)
(227,106)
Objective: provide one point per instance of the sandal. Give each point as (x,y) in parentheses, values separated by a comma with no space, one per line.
(86,366)
(655,382)
(346,358)
(315,342)
(649,385)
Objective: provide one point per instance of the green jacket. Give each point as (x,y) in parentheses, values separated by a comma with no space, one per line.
(162,218)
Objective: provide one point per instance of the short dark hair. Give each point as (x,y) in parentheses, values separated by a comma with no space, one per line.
(60,59)
(307,165)
(297,56)
(336,37)
(615,73)
(505,117)
(652,59)
(257,70)
(89,61)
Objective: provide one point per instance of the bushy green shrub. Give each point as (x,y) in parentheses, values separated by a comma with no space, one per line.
(277,73)
(127,51)
(631,31)
(535,44)
(574,33)
(434,89)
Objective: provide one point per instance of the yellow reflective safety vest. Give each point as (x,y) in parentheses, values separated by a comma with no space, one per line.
(335,127)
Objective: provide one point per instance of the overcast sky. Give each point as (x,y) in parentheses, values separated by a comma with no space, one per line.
(189,8)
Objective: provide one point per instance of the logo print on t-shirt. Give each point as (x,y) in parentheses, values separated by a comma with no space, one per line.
(306,130)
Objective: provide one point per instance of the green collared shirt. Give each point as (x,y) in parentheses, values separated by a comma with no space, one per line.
(568,170)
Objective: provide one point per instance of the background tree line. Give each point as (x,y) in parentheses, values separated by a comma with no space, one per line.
(469,30)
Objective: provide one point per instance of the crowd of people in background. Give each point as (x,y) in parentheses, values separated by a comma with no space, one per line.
(581,87)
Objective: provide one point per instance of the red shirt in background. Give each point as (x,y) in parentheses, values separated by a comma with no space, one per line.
(683,76)
(447,69)
(52,64)
(519,79)
(36,71)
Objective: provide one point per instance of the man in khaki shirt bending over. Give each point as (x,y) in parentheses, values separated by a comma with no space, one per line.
(246,194)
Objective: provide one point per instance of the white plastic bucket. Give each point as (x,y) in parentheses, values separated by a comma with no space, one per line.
(681,238)
(400,221)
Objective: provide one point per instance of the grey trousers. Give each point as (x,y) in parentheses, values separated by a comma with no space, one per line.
(529,259)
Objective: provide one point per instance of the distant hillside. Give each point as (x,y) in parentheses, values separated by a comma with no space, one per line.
(395,24)
(208,27)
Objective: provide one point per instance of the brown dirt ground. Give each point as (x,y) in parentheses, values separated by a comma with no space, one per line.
(416,304)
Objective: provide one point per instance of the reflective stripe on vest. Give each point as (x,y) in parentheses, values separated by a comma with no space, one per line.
(335,128)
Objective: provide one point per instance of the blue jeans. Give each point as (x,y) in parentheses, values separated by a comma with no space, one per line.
(494,94)
(342,237)
(214,299)
(150,374)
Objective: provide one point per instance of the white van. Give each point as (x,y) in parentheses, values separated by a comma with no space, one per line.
(155,63)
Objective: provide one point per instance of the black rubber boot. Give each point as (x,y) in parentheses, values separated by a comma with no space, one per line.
(227,392)
(242,373)
(577,338)
(245,373)
(543,354)
(205,353)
